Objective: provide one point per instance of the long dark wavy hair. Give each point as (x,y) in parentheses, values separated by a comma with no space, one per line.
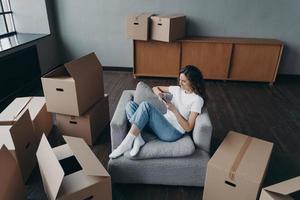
(194,75)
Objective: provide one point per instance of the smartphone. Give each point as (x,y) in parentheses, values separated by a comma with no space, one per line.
(167,97)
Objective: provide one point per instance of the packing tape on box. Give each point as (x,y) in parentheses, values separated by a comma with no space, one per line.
(239,158)
(22,108)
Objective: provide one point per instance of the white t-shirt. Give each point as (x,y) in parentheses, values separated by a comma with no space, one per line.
(185,104)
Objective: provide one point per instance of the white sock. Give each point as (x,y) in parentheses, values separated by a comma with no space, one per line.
(138,143)
(125,145)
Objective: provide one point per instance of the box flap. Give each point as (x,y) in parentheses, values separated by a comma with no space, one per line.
(62,151)
(25,142)
(168,16)
(51,171)
(5,137)
(286,187)
(7,158)
(87,159)
(23,136)
(35,105)
(7,170)
(141,15)
(14,110)
(12,186)
(83,67)
(60,71)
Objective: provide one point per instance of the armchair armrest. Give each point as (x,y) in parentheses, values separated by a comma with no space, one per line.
(118,124)
(203,131)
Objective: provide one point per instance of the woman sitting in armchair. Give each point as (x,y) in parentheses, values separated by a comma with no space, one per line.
(184,104)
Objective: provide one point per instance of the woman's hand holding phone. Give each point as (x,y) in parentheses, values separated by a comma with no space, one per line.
(167,97)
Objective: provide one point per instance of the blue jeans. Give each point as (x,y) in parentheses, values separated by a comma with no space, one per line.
(146,114)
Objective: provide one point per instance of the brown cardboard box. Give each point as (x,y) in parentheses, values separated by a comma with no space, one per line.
(167,28)
(74,87)
(42,120)
(89,126)
(21,141)
(281,191)
(72,171)
(237,168)
(11,182)
(138,26)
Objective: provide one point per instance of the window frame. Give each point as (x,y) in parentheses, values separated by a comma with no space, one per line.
(4,14)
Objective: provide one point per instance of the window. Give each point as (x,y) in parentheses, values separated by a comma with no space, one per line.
(8,42)
(6,19)
(16,27)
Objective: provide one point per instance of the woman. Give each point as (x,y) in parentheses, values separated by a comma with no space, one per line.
(187,101)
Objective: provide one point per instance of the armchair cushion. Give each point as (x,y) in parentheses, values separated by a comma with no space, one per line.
(144,93)
(155,148)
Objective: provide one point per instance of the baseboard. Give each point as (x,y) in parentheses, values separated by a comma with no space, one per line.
(280,77)
(122,69)
(288,77)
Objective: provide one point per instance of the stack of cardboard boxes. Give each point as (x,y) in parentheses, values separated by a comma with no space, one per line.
(165,28)
(75,93)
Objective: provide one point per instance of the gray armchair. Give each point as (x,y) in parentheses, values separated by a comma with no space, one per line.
(187,171)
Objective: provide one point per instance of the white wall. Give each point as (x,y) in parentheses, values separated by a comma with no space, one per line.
(99,25)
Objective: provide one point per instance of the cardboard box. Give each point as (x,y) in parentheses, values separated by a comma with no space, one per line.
(74,87)
(11,182)
(281,191)
(42,120)
(89,126)
(72,171)
(21,141)
(167,28)
(138,26)
(237,169)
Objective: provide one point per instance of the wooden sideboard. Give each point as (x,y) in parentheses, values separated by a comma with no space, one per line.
(241,59)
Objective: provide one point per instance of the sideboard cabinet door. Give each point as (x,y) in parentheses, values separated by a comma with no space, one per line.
(212,59)
(255,62)
(153,58)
